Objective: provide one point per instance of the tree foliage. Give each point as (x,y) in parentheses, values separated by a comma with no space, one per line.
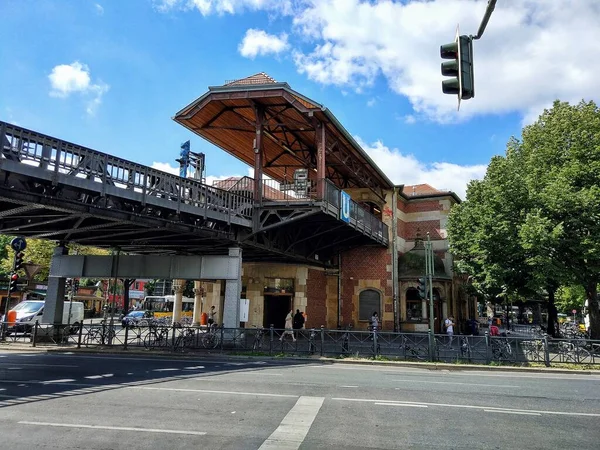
(533,223)
(40,252)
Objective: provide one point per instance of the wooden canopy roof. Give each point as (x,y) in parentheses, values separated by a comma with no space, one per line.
(225,116)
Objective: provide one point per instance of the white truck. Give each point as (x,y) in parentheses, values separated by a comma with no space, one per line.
(30,311)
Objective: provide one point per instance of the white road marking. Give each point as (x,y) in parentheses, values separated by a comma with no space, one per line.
(349,386)
(193,367)
(103,427)
(402,404)
(96,377)
(206,391)
(172,369)
(64,380)
(455,382)
(512,412)
(446,405)
(295,425)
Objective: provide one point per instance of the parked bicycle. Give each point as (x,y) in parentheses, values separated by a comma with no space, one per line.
(211,337)
(410,351)
(100,335)
(158,336)
(501,349)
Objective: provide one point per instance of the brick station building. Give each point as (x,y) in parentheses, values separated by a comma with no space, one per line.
(306,154)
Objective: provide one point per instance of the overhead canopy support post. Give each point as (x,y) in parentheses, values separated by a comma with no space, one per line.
(258,153)
(321,143)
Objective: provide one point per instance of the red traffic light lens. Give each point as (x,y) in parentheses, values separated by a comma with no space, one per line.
(14,277)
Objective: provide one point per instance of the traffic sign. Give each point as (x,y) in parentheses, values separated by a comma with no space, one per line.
(574,311)
(18,244)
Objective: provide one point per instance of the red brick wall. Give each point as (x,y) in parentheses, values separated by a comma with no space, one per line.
(364,263)
(316,294)
(422,228)
(423,206)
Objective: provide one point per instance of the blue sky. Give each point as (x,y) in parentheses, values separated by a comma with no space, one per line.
(110,74)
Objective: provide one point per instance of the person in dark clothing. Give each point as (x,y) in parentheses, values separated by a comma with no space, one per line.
(298,320)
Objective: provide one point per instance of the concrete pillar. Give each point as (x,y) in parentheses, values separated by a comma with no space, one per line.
(198,291)
(233,291)
(55,296)
(178,286)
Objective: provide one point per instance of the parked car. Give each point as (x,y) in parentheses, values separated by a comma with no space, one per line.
(136,318)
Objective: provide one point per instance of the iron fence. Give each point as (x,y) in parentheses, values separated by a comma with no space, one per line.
(498,350)
(104,172)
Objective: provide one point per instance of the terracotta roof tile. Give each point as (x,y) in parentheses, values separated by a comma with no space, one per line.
(256,79)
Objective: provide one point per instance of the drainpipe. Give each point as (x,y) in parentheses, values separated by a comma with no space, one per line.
(395,296)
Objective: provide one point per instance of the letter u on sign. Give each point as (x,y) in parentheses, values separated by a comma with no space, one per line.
(345,206)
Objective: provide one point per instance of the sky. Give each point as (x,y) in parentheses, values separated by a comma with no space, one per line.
(110,74)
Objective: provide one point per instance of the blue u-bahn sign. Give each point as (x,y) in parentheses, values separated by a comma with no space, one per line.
(345,206)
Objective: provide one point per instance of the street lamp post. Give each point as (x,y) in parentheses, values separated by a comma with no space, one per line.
(429,274)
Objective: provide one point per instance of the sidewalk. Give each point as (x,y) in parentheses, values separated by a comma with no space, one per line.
(20,348)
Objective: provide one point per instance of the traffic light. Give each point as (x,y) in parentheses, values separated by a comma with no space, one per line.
(422,287)
(14,278)
(76,284)
(68,284)
(460,68)
(18,261)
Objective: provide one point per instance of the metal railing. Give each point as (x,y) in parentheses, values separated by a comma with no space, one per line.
(103,171)
(419,347)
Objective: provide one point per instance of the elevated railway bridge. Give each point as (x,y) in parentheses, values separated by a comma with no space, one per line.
(294,208)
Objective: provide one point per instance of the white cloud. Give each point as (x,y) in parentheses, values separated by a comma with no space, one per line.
(99,9)
(533,51)
(407,169)
(258,42)
(371,102)
(66,79)
(206,7)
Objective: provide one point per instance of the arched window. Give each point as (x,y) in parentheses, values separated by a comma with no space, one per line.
(413,305)
(369,301)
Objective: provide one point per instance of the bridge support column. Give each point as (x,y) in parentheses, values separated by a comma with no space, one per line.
(198,291)
(55,295)
(233,291)
(178,286)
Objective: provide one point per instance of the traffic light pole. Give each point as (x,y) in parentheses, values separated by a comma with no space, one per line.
(429,266)
(486,17)
(4,317)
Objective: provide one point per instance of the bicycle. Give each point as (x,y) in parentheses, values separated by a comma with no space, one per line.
(501,349)
(157,337)
(211,338)
(101,335)
(574,352)
(185,339)
(410,352)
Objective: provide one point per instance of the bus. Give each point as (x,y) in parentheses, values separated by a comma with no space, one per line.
(162,305)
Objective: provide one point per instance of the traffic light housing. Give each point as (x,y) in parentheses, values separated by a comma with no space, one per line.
(422,287)
(18,261)
(460,68)
(14,278)
(75,284)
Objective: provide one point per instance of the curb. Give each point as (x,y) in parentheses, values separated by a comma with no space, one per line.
(323,359)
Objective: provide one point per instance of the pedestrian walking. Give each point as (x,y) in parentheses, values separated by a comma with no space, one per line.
(289,326)
(449,324)
(298,322)
(212,315)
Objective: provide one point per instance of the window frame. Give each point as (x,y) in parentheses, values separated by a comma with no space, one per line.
(371,308)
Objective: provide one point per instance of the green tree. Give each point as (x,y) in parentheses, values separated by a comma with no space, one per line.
(39,251)
(569,298)
(533,223)
(561,153)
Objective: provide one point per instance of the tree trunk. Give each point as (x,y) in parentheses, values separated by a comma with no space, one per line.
(552,313)
(591,291)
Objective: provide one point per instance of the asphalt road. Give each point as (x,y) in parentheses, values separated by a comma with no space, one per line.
(50,401)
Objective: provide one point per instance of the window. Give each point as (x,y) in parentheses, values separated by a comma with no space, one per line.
(414,304)
(369,300)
